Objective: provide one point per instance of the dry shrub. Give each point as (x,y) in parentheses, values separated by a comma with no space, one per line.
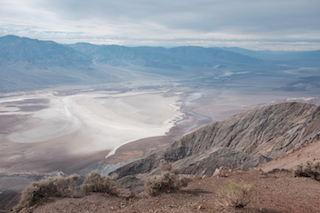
(169,180)
(95,182)
(49,187)
(165,166)
(221,172)
(309,169)
(234,194)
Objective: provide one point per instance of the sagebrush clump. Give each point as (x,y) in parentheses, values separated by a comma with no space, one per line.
(308,169)
(168,181)
(95,182)
(234,194)
(50,187)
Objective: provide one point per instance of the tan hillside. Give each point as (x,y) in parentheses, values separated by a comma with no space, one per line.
(309,152)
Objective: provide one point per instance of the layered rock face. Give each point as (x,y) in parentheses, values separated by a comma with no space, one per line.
(245,140)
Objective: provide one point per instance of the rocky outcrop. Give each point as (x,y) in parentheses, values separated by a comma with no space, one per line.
(245,140)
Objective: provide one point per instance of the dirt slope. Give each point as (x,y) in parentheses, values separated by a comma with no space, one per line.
(309,152)
(276,192)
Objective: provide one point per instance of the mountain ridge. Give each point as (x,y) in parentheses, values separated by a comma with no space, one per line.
(34,64)
(245,140)
(40,53)
(160,57)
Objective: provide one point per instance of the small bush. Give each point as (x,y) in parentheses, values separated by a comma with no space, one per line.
(221,172)
(169,180)
(165,166)
(234,194)
(50,187)
(309,169)
(94,182)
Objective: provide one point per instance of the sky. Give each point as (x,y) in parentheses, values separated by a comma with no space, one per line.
(251,24)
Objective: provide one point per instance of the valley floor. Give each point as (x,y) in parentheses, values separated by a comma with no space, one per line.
(68,130)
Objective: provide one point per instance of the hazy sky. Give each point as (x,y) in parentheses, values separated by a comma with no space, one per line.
(253,24)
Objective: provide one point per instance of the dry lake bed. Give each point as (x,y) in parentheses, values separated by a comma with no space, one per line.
(47,131)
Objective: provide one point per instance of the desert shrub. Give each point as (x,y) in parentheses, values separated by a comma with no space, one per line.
(95,182)
(49,187)
(221,172)
(169,180)
(165,166)
(308,169)
(234,194)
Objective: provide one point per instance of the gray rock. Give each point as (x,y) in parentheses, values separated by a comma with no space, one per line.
(245,140)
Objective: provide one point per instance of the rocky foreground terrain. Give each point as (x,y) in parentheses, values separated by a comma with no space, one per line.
(261,146)
(275,192)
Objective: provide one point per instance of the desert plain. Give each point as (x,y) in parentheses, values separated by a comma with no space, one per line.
(50,130)
(39,131)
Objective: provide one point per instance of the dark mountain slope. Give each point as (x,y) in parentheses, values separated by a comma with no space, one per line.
(242,141)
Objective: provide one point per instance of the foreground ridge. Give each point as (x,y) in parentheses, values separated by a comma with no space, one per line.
(275,192)
(245,140)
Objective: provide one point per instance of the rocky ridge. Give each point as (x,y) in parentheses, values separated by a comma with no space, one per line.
(245,140)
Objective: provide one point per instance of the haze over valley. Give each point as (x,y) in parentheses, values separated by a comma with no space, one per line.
(220,90)
(62,102)
(73,108)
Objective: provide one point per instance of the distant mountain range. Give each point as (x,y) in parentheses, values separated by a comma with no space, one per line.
(159,57)
(48,53)
(42,54)
(284,56)
(30,64)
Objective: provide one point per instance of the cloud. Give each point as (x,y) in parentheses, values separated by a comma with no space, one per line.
(253,23)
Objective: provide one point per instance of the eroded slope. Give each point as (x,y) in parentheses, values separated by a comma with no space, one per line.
(242,141)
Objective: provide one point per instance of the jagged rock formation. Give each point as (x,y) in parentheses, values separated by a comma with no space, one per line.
(242,141)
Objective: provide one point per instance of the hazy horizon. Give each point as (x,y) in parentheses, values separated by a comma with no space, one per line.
(255,25)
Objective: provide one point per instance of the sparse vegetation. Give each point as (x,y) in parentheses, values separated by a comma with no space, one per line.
(65,187)
(50,187)
(95,182)
(308,169)
(168,181)
(221,172)
(234,194)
